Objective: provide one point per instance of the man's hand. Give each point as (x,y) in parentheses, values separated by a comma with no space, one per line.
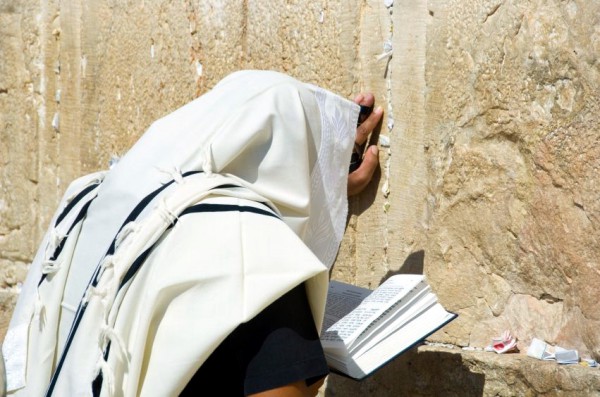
(360,178)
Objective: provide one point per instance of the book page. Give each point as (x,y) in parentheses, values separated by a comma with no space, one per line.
(372,306)
(406,302)
(402,318)
(419,328)
(342,299)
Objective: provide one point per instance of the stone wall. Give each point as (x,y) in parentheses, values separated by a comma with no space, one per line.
(513,125)
(489,183)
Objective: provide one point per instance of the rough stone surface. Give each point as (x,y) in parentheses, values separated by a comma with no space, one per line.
(489,184)
(438,371)
(513,158)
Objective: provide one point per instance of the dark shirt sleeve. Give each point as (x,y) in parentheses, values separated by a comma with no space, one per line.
(277,347)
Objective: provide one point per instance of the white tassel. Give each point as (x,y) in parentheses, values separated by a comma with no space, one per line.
(130,228)
(108,378)
(164,211)
(109,334)
(107,286)
(107,262)
(207,161)
(106,265)
(50,267)
(94,291)
(54,240)
(174,174)
(177,176)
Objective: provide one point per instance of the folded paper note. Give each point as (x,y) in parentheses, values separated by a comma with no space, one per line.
(542,351)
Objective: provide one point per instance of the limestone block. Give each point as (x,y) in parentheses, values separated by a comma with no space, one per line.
(439,371)
(8,299)
(512,115)
(18,134)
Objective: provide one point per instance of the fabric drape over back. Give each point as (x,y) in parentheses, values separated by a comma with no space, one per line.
(258,138)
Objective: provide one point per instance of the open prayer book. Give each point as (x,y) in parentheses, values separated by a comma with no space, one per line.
(364,329)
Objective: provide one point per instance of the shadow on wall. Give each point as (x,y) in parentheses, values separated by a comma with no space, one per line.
(413,264)
(426,373)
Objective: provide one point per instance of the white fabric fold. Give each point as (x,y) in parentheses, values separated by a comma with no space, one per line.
(15,345)
(268,138)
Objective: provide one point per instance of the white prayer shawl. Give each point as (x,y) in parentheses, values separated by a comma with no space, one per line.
(143,300)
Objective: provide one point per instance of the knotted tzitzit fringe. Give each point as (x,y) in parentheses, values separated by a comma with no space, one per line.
(164,211)
(54,240)
(130,228)
(106,265)
(174,174)
(107,333)
(106,290)
(94,291)
(207,161)
(50,266)
(108,377)
(107,285)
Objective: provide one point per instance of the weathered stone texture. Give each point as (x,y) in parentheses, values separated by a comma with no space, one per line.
(489,184)
(513,136)
(438,371)
(19,177)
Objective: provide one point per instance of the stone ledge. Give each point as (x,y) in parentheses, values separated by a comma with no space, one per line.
(442,371)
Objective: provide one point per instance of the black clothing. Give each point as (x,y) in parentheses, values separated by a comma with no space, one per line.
(277,347)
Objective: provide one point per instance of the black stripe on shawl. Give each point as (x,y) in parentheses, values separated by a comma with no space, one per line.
(137,211)
(68,208)
(225,208)
(61,245)
(139,261)
(137,264)
(74,202)
(95,277)
(94,281)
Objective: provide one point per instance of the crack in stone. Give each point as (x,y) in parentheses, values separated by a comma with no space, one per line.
(491,12)
(386,166)
(550,299)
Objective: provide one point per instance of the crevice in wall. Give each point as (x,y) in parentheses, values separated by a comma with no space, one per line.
(384,140)
(491,12)
(55,123)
